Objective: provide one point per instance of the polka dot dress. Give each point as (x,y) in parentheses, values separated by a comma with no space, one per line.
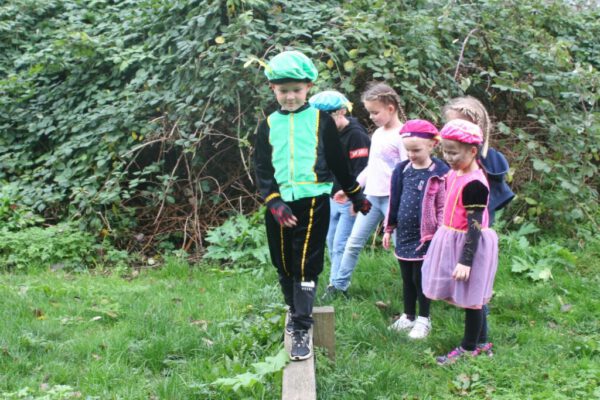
(408,231)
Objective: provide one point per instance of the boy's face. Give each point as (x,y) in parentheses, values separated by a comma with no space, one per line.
(339,117)
(291,95)
(418,150)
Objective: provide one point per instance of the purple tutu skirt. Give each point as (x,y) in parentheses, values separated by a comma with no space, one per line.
(441,259)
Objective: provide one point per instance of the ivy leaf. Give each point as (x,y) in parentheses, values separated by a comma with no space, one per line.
(465,84)
(540,165)
(272,364)
(543,274)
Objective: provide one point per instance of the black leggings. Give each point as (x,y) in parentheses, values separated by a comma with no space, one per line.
(475,328)
(411,283)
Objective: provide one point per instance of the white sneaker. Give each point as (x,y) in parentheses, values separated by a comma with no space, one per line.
(402,324)
(421,328)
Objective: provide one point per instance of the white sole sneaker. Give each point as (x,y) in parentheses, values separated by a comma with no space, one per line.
(402,324)
(421,329)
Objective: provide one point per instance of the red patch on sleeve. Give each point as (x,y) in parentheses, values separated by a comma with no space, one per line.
(358,153)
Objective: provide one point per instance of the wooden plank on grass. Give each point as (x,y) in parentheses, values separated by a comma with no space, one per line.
(325,329)
(299,378)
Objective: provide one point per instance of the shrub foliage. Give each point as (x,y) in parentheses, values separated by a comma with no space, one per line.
(136,117)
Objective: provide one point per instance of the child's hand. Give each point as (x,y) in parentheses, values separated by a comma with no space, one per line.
(386,240)
(340,197)
(461,272)
(282,213)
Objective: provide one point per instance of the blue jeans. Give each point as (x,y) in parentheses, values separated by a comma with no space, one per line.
(341,221)
(361,231)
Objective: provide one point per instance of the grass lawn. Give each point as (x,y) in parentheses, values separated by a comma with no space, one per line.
(172,333)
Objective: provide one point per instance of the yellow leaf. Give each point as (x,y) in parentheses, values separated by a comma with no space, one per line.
(134,135)
(330,63)
(348,66)
(219,40)
(353,53)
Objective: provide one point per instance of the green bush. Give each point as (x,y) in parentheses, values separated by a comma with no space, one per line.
(240,242)
(137,116)
(13,214)
(57,247)
(535,262)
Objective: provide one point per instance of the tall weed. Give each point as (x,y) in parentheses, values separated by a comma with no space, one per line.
(240,242)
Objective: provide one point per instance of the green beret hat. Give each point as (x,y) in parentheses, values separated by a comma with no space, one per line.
(291,66)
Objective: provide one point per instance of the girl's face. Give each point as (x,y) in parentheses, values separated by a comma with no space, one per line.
(379,112)
(418,150)
(459,155)
(292,95)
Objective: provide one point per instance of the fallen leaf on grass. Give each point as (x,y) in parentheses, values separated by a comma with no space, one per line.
(382,305)
(566,308)
(208,342)
(200,323)
(96,318)
(39,314)
(96,357)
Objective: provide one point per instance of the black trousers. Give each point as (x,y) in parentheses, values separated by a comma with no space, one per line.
(298,253)
(475,328)
(412,289)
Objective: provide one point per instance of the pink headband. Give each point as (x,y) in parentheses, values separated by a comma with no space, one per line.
(462,131)
(421,129)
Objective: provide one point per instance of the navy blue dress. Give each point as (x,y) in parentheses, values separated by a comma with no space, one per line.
(408,231)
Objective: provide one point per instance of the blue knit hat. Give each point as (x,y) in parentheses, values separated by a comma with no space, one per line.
(330,100)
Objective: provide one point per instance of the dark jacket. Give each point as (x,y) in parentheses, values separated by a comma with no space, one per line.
(355,140)
(432,207)
(496,168)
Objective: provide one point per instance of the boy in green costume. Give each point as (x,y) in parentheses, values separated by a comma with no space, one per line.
(297,153)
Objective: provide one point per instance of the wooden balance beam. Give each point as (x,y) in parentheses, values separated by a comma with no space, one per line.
(299,378)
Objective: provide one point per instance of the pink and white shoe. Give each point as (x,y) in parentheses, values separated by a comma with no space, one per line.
(453,356)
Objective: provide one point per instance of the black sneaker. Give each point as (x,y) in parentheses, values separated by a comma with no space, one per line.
(332,293)
(301,346)
(289,325)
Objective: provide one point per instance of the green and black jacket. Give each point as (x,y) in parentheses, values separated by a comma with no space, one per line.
(298,153)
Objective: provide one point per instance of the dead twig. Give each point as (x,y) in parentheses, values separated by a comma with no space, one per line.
(462,51)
